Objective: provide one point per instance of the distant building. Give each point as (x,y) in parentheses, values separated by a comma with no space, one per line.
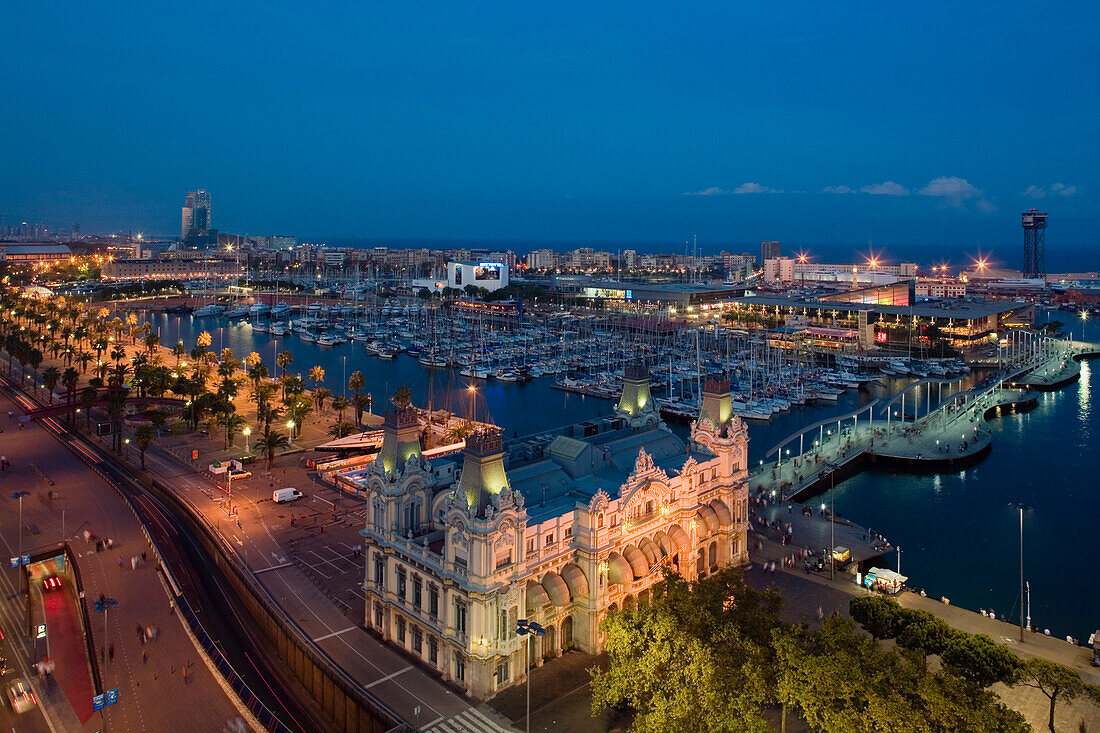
(33,253)
(768,251)
(790,270)
(561,528)
(489,275)
(940,288)
(172,269)
(195,229)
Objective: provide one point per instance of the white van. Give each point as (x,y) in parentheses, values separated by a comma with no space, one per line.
(280,496)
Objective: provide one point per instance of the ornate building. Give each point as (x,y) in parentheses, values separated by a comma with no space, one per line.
(559,528)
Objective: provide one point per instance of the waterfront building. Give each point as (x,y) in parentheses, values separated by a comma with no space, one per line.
(489,275)
(35,253)
(172,269)
(560,528)
(791,270)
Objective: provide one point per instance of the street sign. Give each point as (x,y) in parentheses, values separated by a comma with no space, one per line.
(41,632)
(111,696)
(26,559)
(14,562)
(97,702)
(195,454)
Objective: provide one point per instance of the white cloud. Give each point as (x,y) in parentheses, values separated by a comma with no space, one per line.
(837,189)
(953,188)
(1056,189)
(986,207)
(755,188)
(712,191)
(886,188)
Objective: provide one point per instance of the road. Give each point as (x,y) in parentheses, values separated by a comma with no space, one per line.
(152,694)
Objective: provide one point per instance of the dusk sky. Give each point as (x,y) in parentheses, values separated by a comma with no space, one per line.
(857,123)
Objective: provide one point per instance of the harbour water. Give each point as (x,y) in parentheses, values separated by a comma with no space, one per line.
(958,536)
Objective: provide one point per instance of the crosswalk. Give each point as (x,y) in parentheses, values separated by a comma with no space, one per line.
(469,720)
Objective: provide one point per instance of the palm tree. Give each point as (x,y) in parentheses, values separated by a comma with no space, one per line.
(232,423)
(69,380)
(178,351)
(143,436)
(341,430)
(271,442)
(403,396)
(298,411)
(252,360)
(317,374)
(320,394)
(458,433)
(152,341)
(50,377)
(88,398)
(357,382)
(340,404)
(283,360)
(360,403)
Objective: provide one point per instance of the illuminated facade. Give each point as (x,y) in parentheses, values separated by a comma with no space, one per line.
(489,275)
(559,528)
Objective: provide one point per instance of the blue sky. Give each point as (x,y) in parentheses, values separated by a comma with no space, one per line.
(807,122)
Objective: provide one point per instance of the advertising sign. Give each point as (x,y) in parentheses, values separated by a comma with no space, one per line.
(487,271)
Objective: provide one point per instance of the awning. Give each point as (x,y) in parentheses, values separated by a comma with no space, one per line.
(679,536)
(651,551)
(576,580)
(722,511)
(637,562)
(556,589)
(886,575)
(708,518)
(536,596)
(618,569)
(666,543)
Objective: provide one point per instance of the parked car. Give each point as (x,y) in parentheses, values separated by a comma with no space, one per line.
(236,474)
(51,582)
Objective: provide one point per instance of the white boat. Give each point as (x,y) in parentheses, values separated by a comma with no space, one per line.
(475,372)
(326,340)
(261,327)
(210,309)
(239,311)
(279,309)
(278,329)
(387,354)
(259,309)
(308,336)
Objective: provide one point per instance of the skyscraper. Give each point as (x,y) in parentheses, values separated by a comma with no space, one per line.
(768,251)
(1035,243)
(195,219)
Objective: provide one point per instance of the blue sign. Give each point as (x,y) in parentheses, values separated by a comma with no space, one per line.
(97,702)
(26,559)
(629,294)
(14,562)
(111,696)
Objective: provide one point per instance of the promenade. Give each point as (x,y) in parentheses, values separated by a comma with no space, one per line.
(952,430)
(153,694)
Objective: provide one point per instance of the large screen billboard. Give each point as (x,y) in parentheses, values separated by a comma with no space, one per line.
(488,271)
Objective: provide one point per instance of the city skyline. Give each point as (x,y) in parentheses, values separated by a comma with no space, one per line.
(582,126)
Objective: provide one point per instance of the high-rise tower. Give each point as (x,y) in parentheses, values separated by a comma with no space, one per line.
(195,218)
(1035,244)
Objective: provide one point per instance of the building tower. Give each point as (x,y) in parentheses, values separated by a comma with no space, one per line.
(1035,244)
(768,251)
(195,217)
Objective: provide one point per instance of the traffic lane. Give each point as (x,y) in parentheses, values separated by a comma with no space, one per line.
(28,722)
(65,647)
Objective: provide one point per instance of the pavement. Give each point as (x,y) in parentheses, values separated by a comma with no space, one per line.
(152,694)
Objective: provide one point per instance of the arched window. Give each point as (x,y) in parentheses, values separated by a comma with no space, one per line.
(713,556)
(700,564)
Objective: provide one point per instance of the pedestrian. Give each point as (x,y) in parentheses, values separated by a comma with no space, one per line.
(143,558)
(120,561)
(144,655)
(186,675)
(111,652)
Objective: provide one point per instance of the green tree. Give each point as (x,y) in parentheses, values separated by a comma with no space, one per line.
(402,397)
(270,442)
(878,615)
(317,374)
(696,657)
(340,404)
(922,631)
(979,660)
(356,382)
(361,403)
(283,360)
(320,394)
(341,430)
(1054,681)
(51,376)
(143,435)
(89,396)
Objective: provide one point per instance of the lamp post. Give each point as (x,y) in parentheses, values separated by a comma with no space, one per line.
(246,432)
(290,428)
(1021,508)
(19,496)
(472,390)
(527,629)
(832,467)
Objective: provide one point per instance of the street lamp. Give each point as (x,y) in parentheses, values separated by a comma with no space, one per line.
(290,427)
(832,467)
(246,432)
(19,496)
(1022,508)
(472,390)
(527,629)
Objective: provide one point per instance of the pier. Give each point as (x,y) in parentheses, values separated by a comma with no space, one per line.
(955,432)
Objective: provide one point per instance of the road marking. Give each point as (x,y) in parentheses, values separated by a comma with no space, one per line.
(273,567)
(387,677)
(337,633)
